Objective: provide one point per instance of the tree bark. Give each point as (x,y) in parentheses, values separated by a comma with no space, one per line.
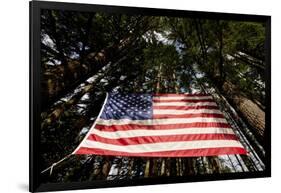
(253,114)
(59,109)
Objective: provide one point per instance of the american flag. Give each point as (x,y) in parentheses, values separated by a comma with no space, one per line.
(160,125)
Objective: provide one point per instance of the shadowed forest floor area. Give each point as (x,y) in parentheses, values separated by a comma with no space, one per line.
(84,55)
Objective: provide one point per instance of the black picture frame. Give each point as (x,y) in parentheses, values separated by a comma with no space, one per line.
(35,8)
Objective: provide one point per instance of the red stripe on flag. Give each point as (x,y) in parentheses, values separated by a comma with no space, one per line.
(213,115)
(182,100)
(178,153)
(192,95)
(159,139)
(159,127)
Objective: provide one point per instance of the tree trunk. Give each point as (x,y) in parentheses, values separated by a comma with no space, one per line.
(253,114)
(59,109)
(198,27)
(74,72)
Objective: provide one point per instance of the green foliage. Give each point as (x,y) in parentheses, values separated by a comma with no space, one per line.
(225,50)
(247,37)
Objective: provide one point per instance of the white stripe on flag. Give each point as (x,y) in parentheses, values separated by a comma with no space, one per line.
(110,122)
(185,104)
(165,146)
(162,132)
(190,111)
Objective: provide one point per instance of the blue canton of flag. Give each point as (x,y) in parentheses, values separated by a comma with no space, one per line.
(128,106)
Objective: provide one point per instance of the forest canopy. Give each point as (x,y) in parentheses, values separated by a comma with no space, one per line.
(86,54)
